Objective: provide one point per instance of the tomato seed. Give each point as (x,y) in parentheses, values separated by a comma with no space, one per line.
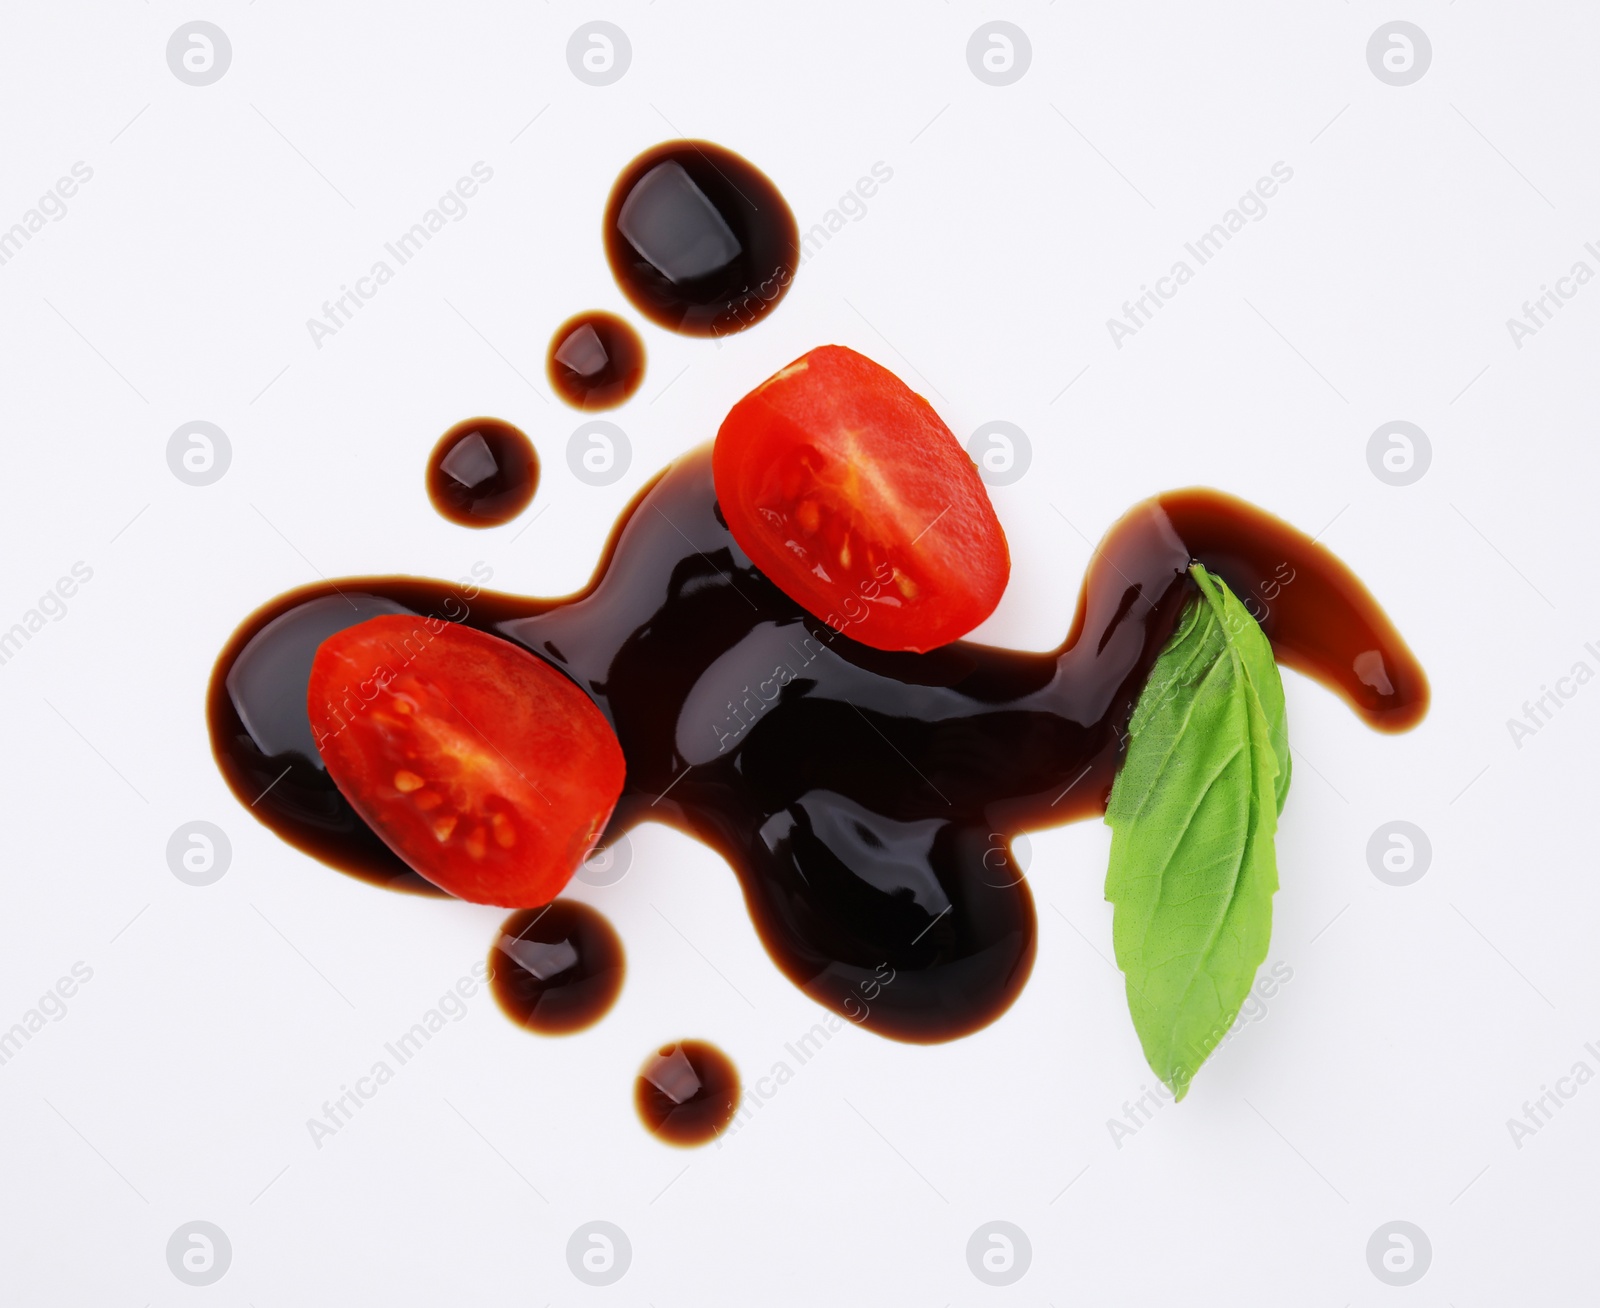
(505,835)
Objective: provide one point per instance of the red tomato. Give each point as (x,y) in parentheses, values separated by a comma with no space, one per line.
(845,488)
(484,768)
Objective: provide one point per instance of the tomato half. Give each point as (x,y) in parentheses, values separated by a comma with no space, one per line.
(486,770)
(843,486)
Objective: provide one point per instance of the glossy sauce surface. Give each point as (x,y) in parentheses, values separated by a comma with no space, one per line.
(864,799)
(699,238)
(595,361)
(556,969)
(482,472)
(687,1093)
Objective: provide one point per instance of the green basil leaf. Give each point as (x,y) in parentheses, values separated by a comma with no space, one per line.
(1192,814)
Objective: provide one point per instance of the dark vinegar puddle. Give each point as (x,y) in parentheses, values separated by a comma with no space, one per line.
(687,1093)
(483,472)
(596,361)
(556,969)
(864,799)
(699,239)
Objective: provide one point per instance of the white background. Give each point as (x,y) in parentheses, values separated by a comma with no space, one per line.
(1377,287)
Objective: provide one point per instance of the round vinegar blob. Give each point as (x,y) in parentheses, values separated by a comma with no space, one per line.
(556,969)
(483,472)
(687,1093)
(596,361)
(699,239)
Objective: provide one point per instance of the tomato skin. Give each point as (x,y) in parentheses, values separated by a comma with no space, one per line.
(489,772)
(847,490)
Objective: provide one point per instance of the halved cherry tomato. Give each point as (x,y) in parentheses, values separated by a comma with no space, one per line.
(845,488)
(484,768)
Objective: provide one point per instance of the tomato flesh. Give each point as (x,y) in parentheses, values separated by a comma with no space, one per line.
(486,770)
(844,486)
